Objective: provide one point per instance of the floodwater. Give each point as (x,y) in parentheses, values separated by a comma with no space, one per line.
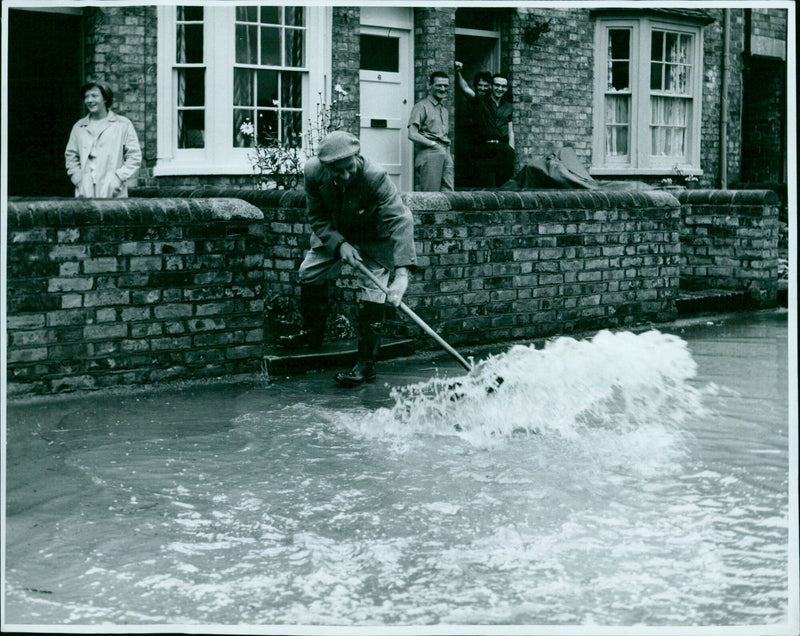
(626,480)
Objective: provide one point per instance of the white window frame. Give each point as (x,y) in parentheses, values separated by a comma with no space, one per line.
(219,156)
(641,162)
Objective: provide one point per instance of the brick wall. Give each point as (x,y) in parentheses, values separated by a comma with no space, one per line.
(502,265)
(729,241)
(105,292)
(120,48)
(552,81)
(769,23)
(345,64)
(712,91)
(764,116)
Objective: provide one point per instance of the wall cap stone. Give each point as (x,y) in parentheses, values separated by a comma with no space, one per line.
(461,200)
(33,212)
(728,197)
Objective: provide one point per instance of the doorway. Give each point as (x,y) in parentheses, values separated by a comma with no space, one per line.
(478,50)
(44,80)
(385,87)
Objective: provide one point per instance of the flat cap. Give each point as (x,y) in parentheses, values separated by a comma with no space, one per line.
(338,145)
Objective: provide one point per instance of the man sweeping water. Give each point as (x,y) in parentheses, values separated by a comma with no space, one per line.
(357,217)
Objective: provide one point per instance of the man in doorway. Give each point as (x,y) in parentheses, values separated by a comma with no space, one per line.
(356,216)
(494,136)
(469,139)
(428,128)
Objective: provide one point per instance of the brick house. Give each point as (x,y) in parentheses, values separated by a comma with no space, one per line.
(636,92)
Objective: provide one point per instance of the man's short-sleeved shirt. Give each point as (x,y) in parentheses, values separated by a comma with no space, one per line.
(432,119)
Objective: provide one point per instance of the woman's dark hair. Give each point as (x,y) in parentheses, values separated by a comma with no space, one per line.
(483,75)
(103,87)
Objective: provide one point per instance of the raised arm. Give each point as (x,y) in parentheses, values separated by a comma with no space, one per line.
(462,83)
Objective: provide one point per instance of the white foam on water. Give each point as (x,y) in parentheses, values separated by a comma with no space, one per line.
(622,383)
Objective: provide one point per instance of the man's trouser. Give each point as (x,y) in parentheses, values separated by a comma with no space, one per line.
(434,169)
(494,163)
(318,267)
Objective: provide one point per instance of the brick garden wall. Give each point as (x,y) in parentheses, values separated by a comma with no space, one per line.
(105,292)
(506,265)
(729,241)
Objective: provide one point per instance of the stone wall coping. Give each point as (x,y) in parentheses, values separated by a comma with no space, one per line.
(444,201)
(36,212)
(728,197)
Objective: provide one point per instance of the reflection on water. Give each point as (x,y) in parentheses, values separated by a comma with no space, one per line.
(626,480)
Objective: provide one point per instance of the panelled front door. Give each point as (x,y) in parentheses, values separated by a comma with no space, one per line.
(385,77)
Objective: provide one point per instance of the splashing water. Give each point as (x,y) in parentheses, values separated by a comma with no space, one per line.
(620,382)
(603,482)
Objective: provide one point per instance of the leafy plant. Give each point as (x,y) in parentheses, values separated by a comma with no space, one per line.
(278,163)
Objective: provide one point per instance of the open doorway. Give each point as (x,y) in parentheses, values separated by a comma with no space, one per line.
(44,80)
(479,50)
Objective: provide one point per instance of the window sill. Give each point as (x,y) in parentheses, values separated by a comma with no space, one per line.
(644,172)
(170,169)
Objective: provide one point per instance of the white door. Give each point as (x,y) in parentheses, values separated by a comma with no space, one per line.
(385,95)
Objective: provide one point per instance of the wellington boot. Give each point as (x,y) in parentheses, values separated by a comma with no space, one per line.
(370,320)
(314,312)
(360,373)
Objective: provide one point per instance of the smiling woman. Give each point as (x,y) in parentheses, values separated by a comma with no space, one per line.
(103,150)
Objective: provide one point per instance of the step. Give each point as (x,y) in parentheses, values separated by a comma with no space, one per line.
(711,301)
(333,355)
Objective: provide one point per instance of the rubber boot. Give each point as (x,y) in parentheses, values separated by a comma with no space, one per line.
(370,321)
(314,312)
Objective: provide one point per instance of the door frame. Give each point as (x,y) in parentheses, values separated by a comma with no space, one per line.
(379,21)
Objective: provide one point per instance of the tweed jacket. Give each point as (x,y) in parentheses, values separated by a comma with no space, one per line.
(369,214)
(116,153)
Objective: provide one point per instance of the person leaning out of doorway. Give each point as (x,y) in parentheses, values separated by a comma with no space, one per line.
(481,85)
(103,150)
(494,132)
(428,129)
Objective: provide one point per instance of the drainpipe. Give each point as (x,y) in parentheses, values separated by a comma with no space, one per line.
(723,127)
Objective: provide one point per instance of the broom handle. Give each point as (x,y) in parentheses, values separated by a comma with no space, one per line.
(410,313)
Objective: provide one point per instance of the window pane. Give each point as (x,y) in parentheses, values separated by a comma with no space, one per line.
(240,140)
(243,82)
(247,14)
(656,77)
(267,89)
(619,51)
(191,127)
(190,14)
(189,44)
(669,119)
(617,125)
(267,126)
(292,128)
(246,44)
(191,87)
(294,16)
(291,89)
(295,51)
(270,15)
(619,44)
(270,46)
(657,45)
(379,53)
